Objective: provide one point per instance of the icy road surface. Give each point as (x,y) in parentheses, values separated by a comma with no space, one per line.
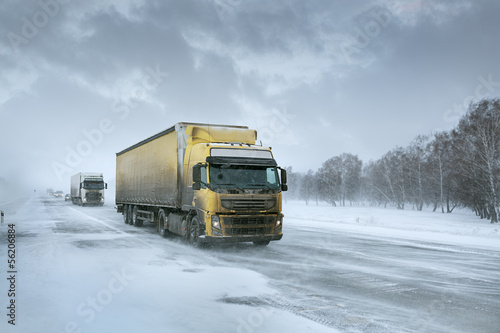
(81,269)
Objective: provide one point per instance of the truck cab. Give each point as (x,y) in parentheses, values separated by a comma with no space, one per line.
(87,188)
(236,191)
(92,190)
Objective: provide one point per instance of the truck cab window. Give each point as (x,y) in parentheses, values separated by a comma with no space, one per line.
(243,176)
(271,176)
(203,171)
(92,185)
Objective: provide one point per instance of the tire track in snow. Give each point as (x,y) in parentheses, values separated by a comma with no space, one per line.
(110,227)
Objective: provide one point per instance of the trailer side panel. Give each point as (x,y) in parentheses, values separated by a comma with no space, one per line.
(147,173)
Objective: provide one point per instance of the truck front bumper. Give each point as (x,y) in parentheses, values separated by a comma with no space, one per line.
(237,239)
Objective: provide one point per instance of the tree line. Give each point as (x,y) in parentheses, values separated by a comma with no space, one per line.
(448,169)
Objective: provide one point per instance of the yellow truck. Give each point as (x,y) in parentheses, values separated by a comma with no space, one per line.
(206,183)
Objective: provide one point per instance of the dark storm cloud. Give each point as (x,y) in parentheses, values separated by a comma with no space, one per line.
(316,78)
(426,69)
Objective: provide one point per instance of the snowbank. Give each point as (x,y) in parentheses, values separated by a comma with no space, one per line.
(457,228)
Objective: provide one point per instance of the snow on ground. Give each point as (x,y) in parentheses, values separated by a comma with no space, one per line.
(77,273)
(337,269)
(460,227)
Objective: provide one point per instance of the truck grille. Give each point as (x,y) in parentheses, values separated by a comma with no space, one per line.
(249,231)
(248,204)
(249,225)
(93,196)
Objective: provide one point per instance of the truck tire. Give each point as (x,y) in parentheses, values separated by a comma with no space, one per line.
(125,214)
(130,220)
(261,243)
(162,221)
(135,220)
(194,232)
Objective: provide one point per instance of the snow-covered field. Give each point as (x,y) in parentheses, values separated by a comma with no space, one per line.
(337,269)
(458,228)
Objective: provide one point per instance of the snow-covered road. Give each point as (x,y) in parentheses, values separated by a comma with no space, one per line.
(81,269)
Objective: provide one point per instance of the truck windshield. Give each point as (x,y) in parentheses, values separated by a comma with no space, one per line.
(93,185)
(243,176)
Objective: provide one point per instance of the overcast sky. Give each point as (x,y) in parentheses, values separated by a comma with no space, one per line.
(82,80)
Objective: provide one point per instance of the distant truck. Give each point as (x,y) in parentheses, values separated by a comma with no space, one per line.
(207,183)
(59,194)
(87,188)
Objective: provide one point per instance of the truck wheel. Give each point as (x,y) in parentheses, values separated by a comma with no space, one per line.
(125,214)
(194,232)
(162,221)
(135,221)
(129,212)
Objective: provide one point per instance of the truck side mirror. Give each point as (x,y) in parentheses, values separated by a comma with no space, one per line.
(284,186)
(81,185)
(283,176)
(106,186)
(196,177)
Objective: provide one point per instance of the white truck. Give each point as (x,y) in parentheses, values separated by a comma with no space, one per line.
(87,188)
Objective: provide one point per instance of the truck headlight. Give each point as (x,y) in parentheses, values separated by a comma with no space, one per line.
(216,222)
(279,221)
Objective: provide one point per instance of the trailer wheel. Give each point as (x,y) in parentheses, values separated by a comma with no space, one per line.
(194,232)
(126,215)
(129,213)
(135,221)
(162,221)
